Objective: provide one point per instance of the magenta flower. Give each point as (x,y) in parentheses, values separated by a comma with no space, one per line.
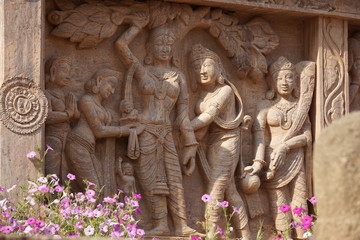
(40,224)
(140,232)
(285,208)
(7,229)
(307,220)
(2,189)
(71,176)
(195,238)
(299,211)
(206,198)
(73,234)
(91,183)
(31,155)
(313,200)
(31,221)
(58,189)
(137,195)
(236,210)
(221,232)
(44,189)
(224,204)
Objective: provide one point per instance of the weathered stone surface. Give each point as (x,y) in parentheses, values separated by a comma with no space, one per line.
(336,179)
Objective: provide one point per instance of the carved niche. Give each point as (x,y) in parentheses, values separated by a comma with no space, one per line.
(159,98)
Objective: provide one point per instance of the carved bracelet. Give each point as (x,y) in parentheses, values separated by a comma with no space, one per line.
(260,161)
(191,144)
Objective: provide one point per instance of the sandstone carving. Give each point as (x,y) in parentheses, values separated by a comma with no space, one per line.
(282,135)
(354,72)
(23,105)
(94,123)
(62,110)
(220,120)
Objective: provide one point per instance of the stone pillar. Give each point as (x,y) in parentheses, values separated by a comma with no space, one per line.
(336,180)
(21,56)
(328,46)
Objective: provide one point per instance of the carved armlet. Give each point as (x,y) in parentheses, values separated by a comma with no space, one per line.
(191,144)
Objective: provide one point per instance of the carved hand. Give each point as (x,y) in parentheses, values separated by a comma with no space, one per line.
(70,105)
(141,19)
(189,160)
(139,129)
(278,156)
(253,169)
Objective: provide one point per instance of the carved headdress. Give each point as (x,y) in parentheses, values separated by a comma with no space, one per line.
(281,64)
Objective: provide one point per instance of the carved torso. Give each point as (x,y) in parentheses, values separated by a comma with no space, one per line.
(57,103)
(160,89)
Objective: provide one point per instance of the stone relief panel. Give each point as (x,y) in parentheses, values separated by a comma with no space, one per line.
(354,72)
(160,99)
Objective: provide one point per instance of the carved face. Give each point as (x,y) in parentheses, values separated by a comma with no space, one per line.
(128,170)
(162,47)
(285,82)
(107,87)
(61,74)
(208,72)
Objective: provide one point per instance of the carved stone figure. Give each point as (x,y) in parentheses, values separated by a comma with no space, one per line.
(62,110)
(283,137)
(163,87)
(220,120)
(354,72)
(125,177)
(93,124)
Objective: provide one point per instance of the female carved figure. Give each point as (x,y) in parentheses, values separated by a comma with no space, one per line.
(93,124)
(218,117)
(282,134)
(62,110)
(163,89)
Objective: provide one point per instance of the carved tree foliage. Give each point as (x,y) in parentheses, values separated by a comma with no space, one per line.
(90,23)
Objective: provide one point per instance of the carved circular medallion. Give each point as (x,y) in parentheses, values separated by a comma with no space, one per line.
(23,105)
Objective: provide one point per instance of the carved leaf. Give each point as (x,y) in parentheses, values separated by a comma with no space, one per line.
(77,19)
(108,30)
(90,9)
(229,41)
(260,61)
(92,28)
(64,30)
(264,37)
(214,30)
(100,17)
(78,36)
(337,107)
(89,42)
(185,13)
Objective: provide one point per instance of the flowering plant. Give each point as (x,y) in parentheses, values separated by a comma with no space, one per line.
(46,208)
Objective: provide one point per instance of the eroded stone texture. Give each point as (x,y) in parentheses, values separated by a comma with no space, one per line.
(336,179)
(166,94)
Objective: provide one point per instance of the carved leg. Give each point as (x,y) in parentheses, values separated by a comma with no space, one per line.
(278,197)
(298,188)
(54,158)
(159,216)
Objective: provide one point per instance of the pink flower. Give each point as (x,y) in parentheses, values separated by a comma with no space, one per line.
(40,224)
(224,204)
(298,211)
(44,189)
(236,210)
(126,217)
(90,193)
(140,232)
(31,155)
(79,197)
(206,198)
(33,190)
(195,238)
(221,232)
(78,225)
(134,203)
(2,189)
(137,195)
(109,200)
(285,208)
(89,231)
(58,189)
(31,221)
(7,229)
(71,176)
(307,219)
(49,148)
(313,200)
(91,183)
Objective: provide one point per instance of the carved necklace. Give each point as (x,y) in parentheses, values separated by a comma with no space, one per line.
(161,84)
(285,109)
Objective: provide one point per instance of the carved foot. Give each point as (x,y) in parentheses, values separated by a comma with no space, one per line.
(186,231)
(159,231)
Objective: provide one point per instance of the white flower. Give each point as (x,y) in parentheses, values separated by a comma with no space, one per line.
(231,229)
(3,204)
(12,188)
(33,184)
(42,179)
(307,235)
(28,229)
(56,201)
(89,231)
(30,200)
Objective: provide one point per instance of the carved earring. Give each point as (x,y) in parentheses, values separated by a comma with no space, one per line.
(221,79)
(148,60)
(95,89)
(270,94)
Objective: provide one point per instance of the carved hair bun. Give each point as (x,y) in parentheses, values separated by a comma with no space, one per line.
(250,183)
(281,64)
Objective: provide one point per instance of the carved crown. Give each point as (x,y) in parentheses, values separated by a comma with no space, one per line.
(281,64)
(200,52)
